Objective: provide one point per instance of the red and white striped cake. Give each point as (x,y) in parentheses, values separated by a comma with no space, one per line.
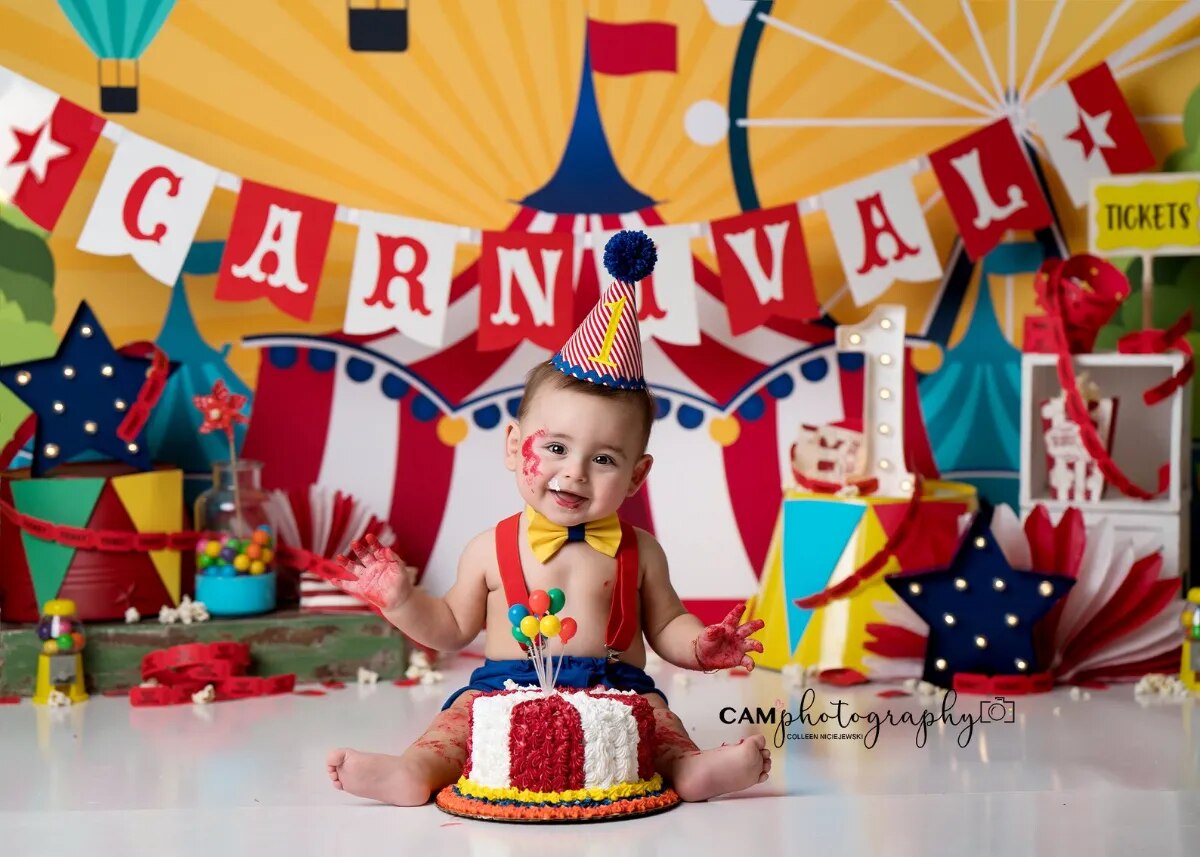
(567,754)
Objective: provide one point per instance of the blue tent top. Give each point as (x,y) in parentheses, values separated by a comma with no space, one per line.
(587,171)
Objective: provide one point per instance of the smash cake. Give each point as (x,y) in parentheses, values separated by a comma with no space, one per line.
(558,755)
(549,753)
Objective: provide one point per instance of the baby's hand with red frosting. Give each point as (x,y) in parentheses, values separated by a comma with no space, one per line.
(725,644)
(375,573)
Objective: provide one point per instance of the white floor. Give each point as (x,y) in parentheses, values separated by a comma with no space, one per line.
(1091,777)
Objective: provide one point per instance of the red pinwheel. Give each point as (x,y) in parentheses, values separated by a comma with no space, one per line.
(221,409)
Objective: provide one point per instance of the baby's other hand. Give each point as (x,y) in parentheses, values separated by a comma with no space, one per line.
(375,573)
(725,644)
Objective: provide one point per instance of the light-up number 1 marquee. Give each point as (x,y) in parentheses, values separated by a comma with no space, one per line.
(880,338)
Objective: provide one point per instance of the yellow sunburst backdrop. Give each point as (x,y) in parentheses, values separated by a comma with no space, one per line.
(474,116)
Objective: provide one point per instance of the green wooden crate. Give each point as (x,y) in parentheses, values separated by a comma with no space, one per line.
(314,647)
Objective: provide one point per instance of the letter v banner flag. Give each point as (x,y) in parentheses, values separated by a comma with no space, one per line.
(276,249)
(45,142)
(161,196)
(1089,131)
(764,267)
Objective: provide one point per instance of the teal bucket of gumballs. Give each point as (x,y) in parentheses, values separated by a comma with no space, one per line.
(234,576)
(234,571)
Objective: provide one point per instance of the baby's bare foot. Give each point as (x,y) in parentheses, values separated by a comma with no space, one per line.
(377,776)
(703,775)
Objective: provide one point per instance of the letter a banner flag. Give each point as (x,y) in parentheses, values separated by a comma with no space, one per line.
(276,249)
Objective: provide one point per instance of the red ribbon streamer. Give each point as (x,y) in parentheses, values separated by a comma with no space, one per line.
(875,564)
(1074,322)
(121,541)
(183,670)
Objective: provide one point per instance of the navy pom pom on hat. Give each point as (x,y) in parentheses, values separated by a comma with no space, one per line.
(606,348)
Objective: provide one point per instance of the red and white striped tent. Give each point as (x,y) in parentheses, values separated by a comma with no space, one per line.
(384,419)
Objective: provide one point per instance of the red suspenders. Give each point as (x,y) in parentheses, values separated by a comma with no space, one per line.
(622,615)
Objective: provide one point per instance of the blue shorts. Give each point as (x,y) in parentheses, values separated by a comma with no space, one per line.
(575,673)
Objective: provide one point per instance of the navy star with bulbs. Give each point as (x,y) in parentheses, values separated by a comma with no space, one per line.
(981,611)
(80,395)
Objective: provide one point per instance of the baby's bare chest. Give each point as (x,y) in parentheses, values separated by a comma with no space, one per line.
(586,577)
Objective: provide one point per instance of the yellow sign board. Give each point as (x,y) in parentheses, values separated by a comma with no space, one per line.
(1156,214)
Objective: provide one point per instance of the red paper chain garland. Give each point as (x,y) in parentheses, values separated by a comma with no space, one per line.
(1074,318)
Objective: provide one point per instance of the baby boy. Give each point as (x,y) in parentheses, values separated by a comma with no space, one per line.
(578,449)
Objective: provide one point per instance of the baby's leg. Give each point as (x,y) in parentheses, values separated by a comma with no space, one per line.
(702,774)
(434,760)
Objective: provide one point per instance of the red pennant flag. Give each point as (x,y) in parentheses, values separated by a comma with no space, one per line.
(764,267)
(45,142)
(1090,131)
(526,289)
(990,187)
(632,48)
(276,249)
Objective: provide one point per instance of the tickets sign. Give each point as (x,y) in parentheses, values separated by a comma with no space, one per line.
(1155,214)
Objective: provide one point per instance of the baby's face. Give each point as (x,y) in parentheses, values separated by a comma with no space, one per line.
(576,457)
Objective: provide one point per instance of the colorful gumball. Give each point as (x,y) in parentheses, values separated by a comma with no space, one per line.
(567,630)
(50,647)
(550,625)
(262,536)
(538,601)
(519,636)
(529,626)
(64,642)
(228,553)
(254,551)
(557,600)
(257,567)
(213,549)
(77,640)
(224,570)
(267,554)
(241,562)
(204,560)
(516,613)
(43,631)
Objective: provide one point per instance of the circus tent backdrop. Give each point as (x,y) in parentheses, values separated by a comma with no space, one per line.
(431,420)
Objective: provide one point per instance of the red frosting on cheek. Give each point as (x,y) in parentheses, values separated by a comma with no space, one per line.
(531,460)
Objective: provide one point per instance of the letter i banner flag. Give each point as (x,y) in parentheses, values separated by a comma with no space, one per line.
(764,267)
(161,195)
(276,249)
(986,205)
(401,278)
(1089,131)
(526,289)
(45,142)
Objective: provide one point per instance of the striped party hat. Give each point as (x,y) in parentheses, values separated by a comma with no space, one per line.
(607,348)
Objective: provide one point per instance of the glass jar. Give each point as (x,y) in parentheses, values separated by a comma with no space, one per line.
(235,573)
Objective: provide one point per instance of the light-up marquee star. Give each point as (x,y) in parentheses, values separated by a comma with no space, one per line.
(82,395)
(981,611)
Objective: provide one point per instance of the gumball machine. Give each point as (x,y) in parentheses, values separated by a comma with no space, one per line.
(60,663)
(1190,668)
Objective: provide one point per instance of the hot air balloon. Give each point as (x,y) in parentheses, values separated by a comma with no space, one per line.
(378,25)
(117,33)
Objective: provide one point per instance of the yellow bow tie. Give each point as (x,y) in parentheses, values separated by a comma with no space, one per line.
(546,537)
